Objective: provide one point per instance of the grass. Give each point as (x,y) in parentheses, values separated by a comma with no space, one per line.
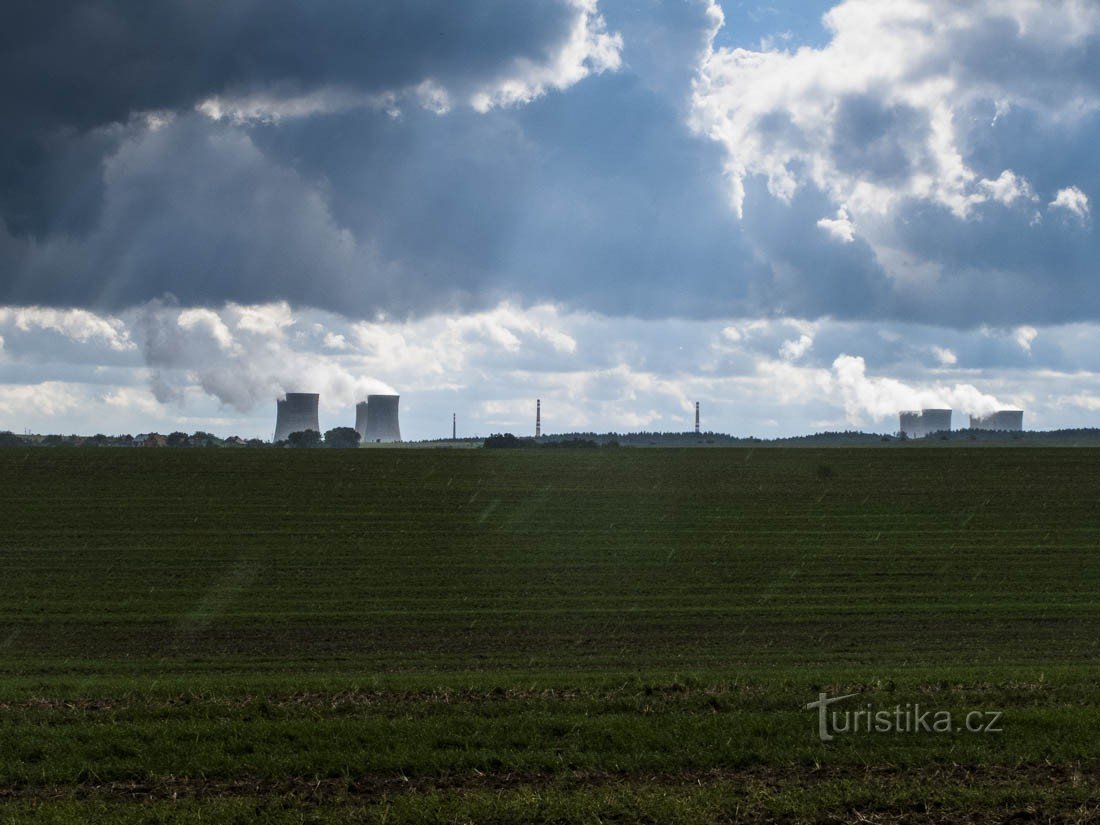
(548,636)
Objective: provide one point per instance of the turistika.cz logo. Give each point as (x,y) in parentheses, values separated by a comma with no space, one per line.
(899,719)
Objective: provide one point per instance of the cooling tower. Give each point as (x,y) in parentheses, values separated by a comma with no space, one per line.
(911,425)
(382,424)
(1005,420)
(919,423)
(361,420)
(295,413)
(935,421)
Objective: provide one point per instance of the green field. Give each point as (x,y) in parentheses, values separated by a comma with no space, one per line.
(548,635)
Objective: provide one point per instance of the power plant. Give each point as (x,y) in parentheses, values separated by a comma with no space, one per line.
(919,423)
(361,420)
(296,412)
(1004,420)
(377,420)
(910,424)
(936,421)
(381,424)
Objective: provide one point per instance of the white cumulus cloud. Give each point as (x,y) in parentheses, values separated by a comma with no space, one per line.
(1024,337)
(840,228)
(1072,200)
(797,347)
(945,356)
(590,49)
(881,112)
(80,325)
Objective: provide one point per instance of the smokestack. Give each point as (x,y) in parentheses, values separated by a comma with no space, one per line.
(382,421)
(697,418)
(538,418)
(454,426)
(295,413)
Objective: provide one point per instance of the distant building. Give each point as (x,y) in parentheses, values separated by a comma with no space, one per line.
(1003,420)
(919,423)
(936,421)
(362,411)
(150,440)
(910,424)
(296,412)
(381,423)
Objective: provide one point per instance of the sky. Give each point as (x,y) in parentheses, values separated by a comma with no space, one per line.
(806,216)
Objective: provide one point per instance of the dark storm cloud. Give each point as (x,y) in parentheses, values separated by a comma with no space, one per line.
(599,198)
(83,63)
(192,208)
(71,68)
(865,195)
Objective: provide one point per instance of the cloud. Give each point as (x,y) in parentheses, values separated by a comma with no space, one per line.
(584,48)
(220,369)
(936,128)
(945,356)
(794,349)
(840,227)
(48,398)
(1008,188)
(196,209)
(1083,401)
(589,48)
(1024,336)
(880,397)
(908,163)
(88,67)
(242,356)
(875,115)
(210,323)
(1074,201)
(77,325)
(591,197)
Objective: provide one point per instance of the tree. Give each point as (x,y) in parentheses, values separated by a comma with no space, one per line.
(507,441)
(342,438)
(178,439)
(304,438)
(9,439)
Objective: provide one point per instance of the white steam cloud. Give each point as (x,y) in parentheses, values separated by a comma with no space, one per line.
(243,356)
(878,398)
